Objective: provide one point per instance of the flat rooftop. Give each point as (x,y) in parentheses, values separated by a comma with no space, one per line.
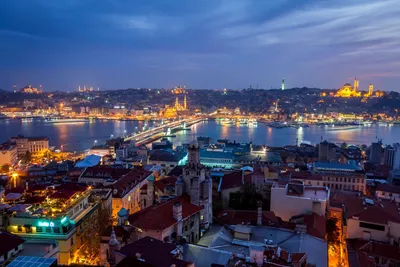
(336,166)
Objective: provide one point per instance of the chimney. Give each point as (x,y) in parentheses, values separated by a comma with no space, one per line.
(177,211)
(259,213)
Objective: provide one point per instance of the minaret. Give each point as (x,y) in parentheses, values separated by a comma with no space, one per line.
(15,88)
(184,102)
(370,89)
(40,88)
(355,84)
(176,102)
(283,84)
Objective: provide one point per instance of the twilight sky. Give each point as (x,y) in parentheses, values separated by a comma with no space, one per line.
(203,43)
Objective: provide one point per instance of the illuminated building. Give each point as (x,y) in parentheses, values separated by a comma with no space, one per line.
(348,91)
(61,213)
(86,89)
(225,91)
(32,144)
(31,90)
(8,154)
(370,90)
(283,84)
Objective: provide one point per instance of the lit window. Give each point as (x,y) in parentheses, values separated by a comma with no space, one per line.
(201,217)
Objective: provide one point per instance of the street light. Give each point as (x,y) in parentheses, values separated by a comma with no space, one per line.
(112,136)
(15,176)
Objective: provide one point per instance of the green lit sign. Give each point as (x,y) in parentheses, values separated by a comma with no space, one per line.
(46,224)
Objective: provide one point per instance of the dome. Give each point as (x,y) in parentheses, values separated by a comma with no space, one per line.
(123,212)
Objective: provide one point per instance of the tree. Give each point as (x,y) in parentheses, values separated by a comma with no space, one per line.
(332,231)
(5,168)
(344,145)
(27,157)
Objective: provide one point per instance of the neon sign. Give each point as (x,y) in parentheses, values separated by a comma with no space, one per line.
(46,224)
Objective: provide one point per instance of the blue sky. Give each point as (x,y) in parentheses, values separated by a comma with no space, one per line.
(203,43)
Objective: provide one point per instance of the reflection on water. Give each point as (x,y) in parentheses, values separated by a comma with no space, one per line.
(81,136)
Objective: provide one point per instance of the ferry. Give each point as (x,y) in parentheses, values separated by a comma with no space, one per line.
(227,121)
(65,120)
(277,124)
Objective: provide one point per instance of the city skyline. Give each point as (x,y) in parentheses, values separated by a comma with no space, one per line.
(208,44)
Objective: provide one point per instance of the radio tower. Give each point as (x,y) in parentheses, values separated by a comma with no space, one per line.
(283,84)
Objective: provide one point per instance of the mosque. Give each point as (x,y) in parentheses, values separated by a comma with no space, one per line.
(348,91)
(172,112)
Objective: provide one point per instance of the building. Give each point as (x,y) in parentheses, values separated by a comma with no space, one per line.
(98,175)
(396,158)
(294,198)
(388,191)
(365,253)
(167,158)
(371,90)
(191,209)
(195,182)
(341,176)
(348,91)
(33,145)
(61,213)
(169,221)
(367,218)
(143,250)
(8,154)
(10,246)
(239,245)
(327,152)
(375,153)
(388,156)
(126,192)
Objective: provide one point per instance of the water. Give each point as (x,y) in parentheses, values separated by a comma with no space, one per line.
(81,136)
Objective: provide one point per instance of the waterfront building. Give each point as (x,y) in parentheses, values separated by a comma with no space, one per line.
(8,154)
(375,153)
(294,198)
(337,176)
(32,145)
(62,213)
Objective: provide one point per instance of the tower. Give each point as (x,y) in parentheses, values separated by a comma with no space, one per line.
(355,87)
(15,88)
(283,84)
(196,183)
(370,89)
(176,102)
(184,102)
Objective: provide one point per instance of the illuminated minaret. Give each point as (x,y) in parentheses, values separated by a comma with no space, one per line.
(176,102)
(283,84)
(355,84)
(15,88)
(40,88)
(370,89)
(184,102)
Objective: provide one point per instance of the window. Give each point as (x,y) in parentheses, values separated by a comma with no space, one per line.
(317,183)
(48,229)
(372,226)
(345,180)
(72,241)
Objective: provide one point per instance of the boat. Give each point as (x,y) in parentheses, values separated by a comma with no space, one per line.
(26,119)
(277,124)
(227,121)
(65,120)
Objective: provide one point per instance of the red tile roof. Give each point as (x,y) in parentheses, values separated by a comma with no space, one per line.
(234,179)
(234,217)
(63,194)
(129,181)
(146,249)
(388,188)
(160,217)
(165,182)
(104,172)
(9,242)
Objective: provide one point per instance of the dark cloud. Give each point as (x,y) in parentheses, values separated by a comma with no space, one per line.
(203,43)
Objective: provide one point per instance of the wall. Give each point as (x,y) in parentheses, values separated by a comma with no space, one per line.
(355,231)
(288,206)
(225,195)
(387,195)
(8,157)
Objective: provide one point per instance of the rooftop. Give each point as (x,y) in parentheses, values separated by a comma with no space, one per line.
(388,188)
(104,172)
(246,217)
(160,217)
(9,242)
(129,181)
(336,166)
(144,249)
